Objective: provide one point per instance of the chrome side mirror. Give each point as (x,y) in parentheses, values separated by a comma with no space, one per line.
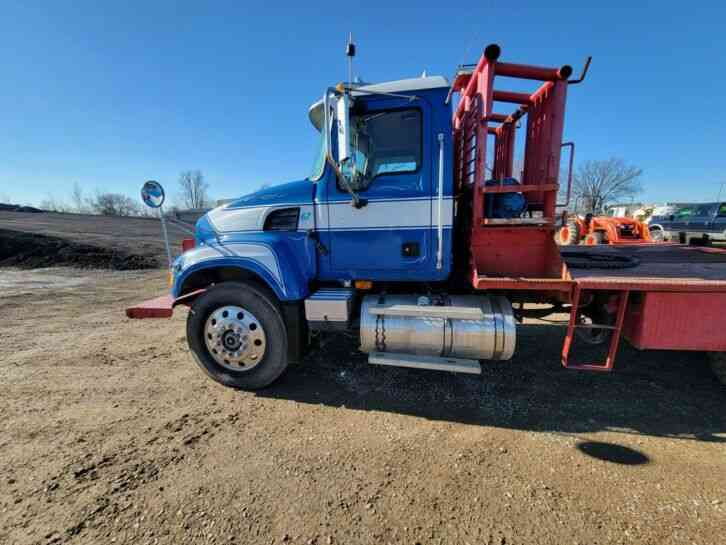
(343,111)
(152,193)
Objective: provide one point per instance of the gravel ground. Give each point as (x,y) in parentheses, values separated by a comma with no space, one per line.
(110,434)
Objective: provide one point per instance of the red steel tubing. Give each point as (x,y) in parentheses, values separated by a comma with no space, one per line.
(524,71)
(509,96)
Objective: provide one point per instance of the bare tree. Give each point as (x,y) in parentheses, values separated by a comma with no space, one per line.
(51,204)
(193,189)
(599,183)
(113,204)
(77,199)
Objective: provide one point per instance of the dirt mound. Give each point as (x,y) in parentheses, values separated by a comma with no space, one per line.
(29,250)
(19,208)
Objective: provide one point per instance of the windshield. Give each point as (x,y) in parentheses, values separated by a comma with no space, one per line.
(319,164)
(696,210)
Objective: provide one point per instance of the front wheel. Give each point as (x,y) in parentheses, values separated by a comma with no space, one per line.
(656,235)
(568,234)
(237,336)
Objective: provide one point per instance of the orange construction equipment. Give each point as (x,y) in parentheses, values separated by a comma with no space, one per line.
(593,230)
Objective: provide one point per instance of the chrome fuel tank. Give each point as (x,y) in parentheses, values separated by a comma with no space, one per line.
(464,326)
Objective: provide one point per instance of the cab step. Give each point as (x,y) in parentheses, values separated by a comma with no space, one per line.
(453,365)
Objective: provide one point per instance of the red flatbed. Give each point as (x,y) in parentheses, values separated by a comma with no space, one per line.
(661,267)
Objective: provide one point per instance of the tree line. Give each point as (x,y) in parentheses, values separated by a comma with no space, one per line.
(192,192)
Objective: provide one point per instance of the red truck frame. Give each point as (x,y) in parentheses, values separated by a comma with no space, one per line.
(673,299)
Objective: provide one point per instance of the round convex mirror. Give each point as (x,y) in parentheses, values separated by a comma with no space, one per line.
(152,194)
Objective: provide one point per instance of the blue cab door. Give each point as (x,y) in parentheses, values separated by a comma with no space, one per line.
(392,236)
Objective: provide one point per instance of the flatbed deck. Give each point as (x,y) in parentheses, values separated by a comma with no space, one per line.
(660,267)
(655,267)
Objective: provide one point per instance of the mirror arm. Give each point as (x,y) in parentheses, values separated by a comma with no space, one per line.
(356,202)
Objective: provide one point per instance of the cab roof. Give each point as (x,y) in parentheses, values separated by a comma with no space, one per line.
(315,113)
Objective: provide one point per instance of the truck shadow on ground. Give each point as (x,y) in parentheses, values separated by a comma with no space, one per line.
(665,394)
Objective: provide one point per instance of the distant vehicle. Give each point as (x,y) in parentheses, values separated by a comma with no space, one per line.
(638,211)
(623,210)
(699,222)
(592,230)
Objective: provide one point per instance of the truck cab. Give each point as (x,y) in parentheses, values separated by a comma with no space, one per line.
(390,220)
(399,133)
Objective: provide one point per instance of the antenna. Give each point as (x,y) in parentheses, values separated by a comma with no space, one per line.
(350,53)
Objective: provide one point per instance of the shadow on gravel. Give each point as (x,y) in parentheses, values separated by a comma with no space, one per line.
(668,394)
(612,452)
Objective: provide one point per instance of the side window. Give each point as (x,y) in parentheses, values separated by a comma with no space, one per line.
(705,210)
(388,142)
(722,210)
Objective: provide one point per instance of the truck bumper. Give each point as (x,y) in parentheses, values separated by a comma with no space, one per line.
(160,307)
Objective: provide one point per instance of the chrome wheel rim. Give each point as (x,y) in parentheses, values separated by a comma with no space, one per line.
(235,338)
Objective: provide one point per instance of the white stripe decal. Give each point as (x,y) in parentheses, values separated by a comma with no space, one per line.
(397,228)
(257,252)
(405,213)
(253,218)
(388,214)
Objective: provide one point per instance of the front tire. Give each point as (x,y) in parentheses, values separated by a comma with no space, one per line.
(237,336)
(657,235)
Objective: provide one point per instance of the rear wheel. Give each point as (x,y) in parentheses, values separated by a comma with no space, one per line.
(568,234)
(595,313)
(237,336)
(718,365)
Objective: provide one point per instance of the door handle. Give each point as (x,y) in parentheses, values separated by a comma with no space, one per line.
(410,249)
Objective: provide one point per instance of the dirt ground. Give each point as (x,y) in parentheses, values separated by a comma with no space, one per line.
(109,433)
(81,240)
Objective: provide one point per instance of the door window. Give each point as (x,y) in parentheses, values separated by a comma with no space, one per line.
(384,143)
(722,210)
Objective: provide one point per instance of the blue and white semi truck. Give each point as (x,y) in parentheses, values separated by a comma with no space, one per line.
(408,236)
(370,227)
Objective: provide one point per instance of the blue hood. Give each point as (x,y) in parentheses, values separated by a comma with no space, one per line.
(300,192)
(248,213)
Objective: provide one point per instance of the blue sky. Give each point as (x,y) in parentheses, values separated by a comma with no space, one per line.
(109,94)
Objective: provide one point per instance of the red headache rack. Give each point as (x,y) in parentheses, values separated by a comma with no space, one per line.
(516,247)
